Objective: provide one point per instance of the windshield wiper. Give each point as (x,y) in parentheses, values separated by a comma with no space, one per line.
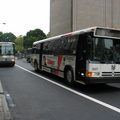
(111,62)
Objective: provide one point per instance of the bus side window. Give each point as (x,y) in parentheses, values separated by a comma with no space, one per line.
(56,44)
(51,46)
(71,45)
(74,43)
(68,45)
(45,47)
(61,46)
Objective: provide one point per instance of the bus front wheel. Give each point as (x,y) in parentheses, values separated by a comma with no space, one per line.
(69,76)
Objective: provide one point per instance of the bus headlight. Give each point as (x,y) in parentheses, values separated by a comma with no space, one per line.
(13,60)
(90,74)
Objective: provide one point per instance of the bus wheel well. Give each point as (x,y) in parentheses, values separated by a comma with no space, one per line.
(68,75)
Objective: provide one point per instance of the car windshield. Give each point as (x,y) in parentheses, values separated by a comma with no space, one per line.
(105,50)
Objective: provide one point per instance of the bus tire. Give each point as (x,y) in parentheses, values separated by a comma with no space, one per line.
(12,65)
(69,76)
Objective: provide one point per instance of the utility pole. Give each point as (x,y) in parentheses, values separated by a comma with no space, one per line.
(3,23)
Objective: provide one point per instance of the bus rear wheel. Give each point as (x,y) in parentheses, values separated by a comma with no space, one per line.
(69,76)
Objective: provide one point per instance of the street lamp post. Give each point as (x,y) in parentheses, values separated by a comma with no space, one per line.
(3,23)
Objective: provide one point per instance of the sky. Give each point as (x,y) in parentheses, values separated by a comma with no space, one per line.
(21,16)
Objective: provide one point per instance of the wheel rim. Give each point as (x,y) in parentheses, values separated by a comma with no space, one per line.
(69,76)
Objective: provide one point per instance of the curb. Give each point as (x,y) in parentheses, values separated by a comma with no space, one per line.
(4,110)
(1,89)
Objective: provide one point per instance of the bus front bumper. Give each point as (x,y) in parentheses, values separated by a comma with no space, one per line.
(101,80)
(6,63)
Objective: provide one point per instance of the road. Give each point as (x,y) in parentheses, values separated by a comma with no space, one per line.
(42,96)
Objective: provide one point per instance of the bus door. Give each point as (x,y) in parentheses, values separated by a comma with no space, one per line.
(40,56)
(81,58)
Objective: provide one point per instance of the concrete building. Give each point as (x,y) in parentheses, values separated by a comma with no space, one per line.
(71,15)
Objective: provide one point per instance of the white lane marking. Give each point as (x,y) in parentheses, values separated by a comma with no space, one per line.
(76,92)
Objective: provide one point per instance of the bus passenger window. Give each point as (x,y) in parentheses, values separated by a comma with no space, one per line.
(68,45)
(75,42)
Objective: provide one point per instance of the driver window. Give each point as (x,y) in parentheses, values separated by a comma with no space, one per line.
(108,43)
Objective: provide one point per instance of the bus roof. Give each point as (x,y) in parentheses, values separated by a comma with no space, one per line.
(82,31)
(66,34)
(7,43)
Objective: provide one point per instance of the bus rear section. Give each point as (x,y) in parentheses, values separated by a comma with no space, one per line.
(7,54)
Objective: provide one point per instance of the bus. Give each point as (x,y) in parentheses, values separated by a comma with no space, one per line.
(7,53)
(87,56)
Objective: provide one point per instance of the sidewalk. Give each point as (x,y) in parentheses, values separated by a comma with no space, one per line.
(4,110)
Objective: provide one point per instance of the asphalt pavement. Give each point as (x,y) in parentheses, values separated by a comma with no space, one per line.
(4,110)
(42,96)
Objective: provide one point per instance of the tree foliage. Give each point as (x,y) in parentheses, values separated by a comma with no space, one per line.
(32,36)
(23,42)
(7,37)
(48,35)
(19,44)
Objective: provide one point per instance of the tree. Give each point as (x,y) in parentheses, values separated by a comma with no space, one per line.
(19,44)
(1,36)
(32,36)
(48,35)
(7,37)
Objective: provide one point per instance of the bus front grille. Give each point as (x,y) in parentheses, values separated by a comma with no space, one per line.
(116,74)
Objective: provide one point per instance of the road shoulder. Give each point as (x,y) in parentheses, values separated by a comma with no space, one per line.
(4,110)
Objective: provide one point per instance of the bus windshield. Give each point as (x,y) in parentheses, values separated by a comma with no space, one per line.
(6,49)
(105,50)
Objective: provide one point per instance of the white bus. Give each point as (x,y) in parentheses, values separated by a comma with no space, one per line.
(7,53)
(87,56)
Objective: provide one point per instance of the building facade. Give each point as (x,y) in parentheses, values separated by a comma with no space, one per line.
(72,15)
